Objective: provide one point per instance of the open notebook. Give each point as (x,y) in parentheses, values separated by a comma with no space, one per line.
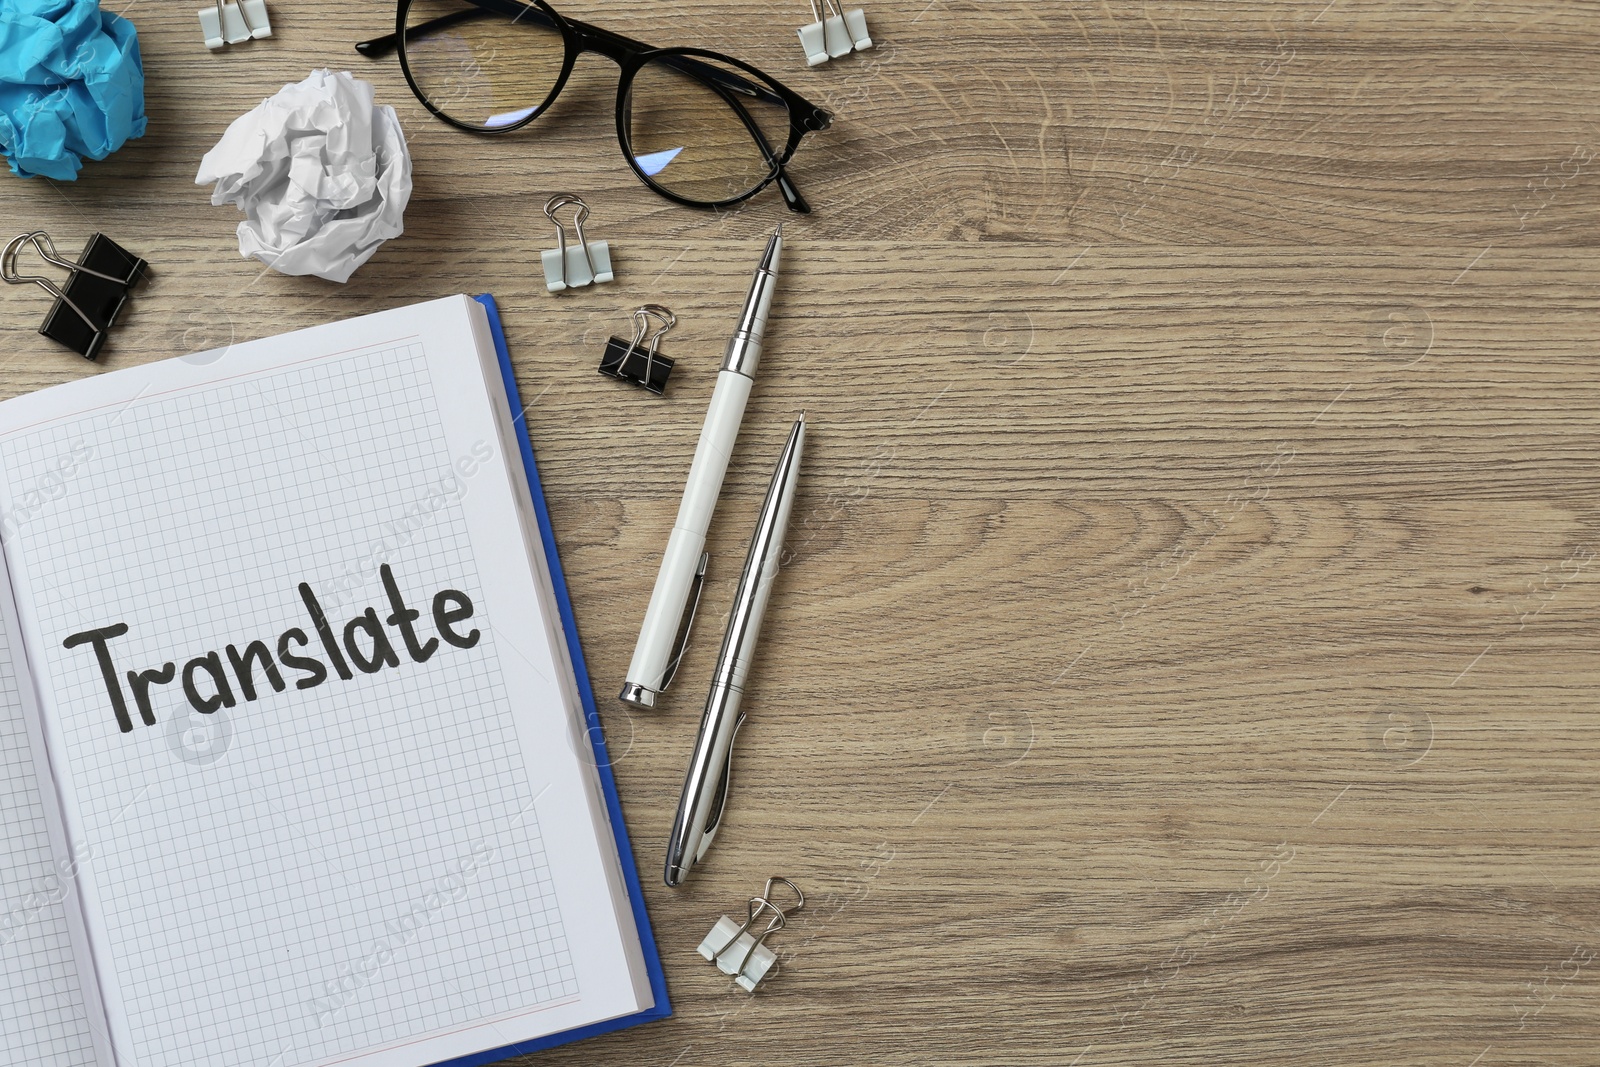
(298,765)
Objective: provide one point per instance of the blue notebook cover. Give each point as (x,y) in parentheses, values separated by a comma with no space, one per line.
(569,625)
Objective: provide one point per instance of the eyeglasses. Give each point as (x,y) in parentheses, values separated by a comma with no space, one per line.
(698,127)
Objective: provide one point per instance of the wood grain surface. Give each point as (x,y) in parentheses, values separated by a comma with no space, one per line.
(1187,652)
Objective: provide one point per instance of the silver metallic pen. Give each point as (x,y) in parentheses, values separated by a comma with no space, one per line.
(705,787)
(670,613)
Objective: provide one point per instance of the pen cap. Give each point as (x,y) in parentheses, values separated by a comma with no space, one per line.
(649,671)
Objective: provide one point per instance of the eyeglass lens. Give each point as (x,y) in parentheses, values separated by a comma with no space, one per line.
(480,68)
(703,130)
(700,129)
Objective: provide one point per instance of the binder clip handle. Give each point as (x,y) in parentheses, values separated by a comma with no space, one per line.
(641,327)
(47,251)
(799,897)
(41,242)
(556,203)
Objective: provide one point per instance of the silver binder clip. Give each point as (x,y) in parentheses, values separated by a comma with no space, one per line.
(834,35)
(234,21)
(738,950)
(566,267)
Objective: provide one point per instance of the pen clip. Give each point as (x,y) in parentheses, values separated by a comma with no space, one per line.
(682,641)
(720,799)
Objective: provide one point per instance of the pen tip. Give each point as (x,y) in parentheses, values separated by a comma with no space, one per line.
(769,258)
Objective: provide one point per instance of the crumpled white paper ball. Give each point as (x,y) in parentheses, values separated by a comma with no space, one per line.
(322,176)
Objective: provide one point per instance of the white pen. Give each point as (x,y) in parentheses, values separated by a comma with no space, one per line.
(683,565)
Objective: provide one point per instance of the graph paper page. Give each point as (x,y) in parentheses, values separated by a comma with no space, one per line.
(45,996)
(382,869)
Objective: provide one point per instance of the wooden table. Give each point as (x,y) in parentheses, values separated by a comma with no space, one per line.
(1188,649)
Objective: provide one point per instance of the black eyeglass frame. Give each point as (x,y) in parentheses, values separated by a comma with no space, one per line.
(630,56)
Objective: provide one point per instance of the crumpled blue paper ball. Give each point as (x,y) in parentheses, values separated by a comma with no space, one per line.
(71,85)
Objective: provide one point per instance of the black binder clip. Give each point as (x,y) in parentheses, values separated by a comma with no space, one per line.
(626,361)
(97,286)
